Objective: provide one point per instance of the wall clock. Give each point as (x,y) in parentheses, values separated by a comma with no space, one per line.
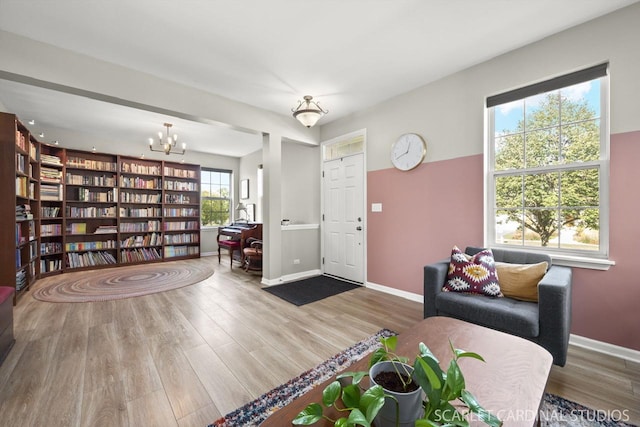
(408,151)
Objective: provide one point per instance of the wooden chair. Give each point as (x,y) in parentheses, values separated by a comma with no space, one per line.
(253,255)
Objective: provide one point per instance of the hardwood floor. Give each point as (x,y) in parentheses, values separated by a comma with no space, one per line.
(188,356)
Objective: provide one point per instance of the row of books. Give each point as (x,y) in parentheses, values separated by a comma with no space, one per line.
(87,259)
(179,199)
(21,279)
(21,140)
(23,212)
(90,246)
(49,211)
(50,192)
(180,173)
(180,185)
(47,230)
(137,227)
(82,163)
(152,239)
(91,212)
(173,212)
(140,254)
(50,159)
(21,237)
(140,212)
(96,180)
(126,197)
(180,225)
(48,248)
(50,175)
(173,239)
(137,182)
(176,251)
(140,168)
(89,195)
(49,265)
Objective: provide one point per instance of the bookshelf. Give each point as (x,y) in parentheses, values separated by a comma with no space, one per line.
(91,210)
(79,210)
(19,183)
(181,210)
(140,210)
(51,212)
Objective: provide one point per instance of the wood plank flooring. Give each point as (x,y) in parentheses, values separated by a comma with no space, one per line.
(188,356)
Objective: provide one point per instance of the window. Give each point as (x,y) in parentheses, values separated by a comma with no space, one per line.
(548,165)
(215,196)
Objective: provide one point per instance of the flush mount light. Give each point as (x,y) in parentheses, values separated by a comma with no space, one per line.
(308,112)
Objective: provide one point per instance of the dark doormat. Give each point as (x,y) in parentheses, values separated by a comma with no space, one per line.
(309,290)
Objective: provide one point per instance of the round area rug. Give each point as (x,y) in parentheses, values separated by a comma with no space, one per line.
(122,282)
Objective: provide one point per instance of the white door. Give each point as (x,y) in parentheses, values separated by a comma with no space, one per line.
(343,225)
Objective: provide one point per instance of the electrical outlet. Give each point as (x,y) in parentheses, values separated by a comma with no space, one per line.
(296,261)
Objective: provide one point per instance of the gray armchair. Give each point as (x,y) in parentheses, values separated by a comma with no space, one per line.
(547,322)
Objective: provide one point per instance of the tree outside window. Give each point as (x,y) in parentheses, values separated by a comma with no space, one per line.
(215,197)
(547,169)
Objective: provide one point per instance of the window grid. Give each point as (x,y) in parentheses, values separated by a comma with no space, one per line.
(562,167)
(216,196)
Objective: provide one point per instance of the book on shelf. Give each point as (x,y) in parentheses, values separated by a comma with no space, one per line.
(106,229)
(50,175)
(23,212)
(77,228)
(50,159)
(50,192)
(21,280)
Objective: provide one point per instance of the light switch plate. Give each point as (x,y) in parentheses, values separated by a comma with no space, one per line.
(376,207)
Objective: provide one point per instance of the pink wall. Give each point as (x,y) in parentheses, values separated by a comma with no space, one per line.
(440,204)
(424,213)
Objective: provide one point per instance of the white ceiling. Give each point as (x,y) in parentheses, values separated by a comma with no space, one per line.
(348,54)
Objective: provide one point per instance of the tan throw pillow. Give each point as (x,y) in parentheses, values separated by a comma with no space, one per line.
(520,281)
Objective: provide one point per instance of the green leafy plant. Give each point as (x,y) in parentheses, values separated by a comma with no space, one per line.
(440,387)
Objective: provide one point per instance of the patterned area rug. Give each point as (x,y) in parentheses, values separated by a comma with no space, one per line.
(554,412)
(122,282)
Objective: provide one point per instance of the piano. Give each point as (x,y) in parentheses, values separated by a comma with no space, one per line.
(240,231)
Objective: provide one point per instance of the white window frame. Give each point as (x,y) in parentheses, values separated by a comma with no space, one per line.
(575,258)
(230,198)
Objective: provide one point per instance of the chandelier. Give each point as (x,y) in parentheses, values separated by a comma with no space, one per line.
(308,112)
(168,144)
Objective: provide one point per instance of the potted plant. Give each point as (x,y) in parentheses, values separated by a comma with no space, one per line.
(441,388)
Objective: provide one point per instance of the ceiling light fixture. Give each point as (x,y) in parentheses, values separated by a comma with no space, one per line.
(308,112)
(168,144)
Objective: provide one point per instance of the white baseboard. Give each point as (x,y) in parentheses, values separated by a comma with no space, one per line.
(606,348)
(397,292)
(577,340)
(290,277)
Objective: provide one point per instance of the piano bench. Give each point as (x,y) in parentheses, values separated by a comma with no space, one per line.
(231,246)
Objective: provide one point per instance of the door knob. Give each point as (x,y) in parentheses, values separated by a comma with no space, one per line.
(359,228)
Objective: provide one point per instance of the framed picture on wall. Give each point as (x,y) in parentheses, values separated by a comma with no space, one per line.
(251,212)
(244,189)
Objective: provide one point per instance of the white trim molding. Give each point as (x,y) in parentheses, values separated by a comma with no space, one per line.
(290,277)
(397,292)
(606,348)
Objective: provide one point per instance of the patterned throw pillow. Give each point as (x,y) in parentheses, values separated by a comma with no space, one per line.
(474,274)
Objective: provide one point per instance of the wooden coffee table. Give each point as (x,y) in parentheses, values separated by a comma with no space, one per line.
(510,384)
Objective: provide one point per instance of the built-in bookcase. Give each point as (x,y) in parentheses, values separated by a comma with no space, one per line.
(140,210)
(181,210)
(85,210)
(91,209)
(51,209)
(19,183)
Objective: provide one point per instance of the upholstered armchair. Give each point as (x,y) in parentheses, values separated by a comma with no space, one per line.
(546,322)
